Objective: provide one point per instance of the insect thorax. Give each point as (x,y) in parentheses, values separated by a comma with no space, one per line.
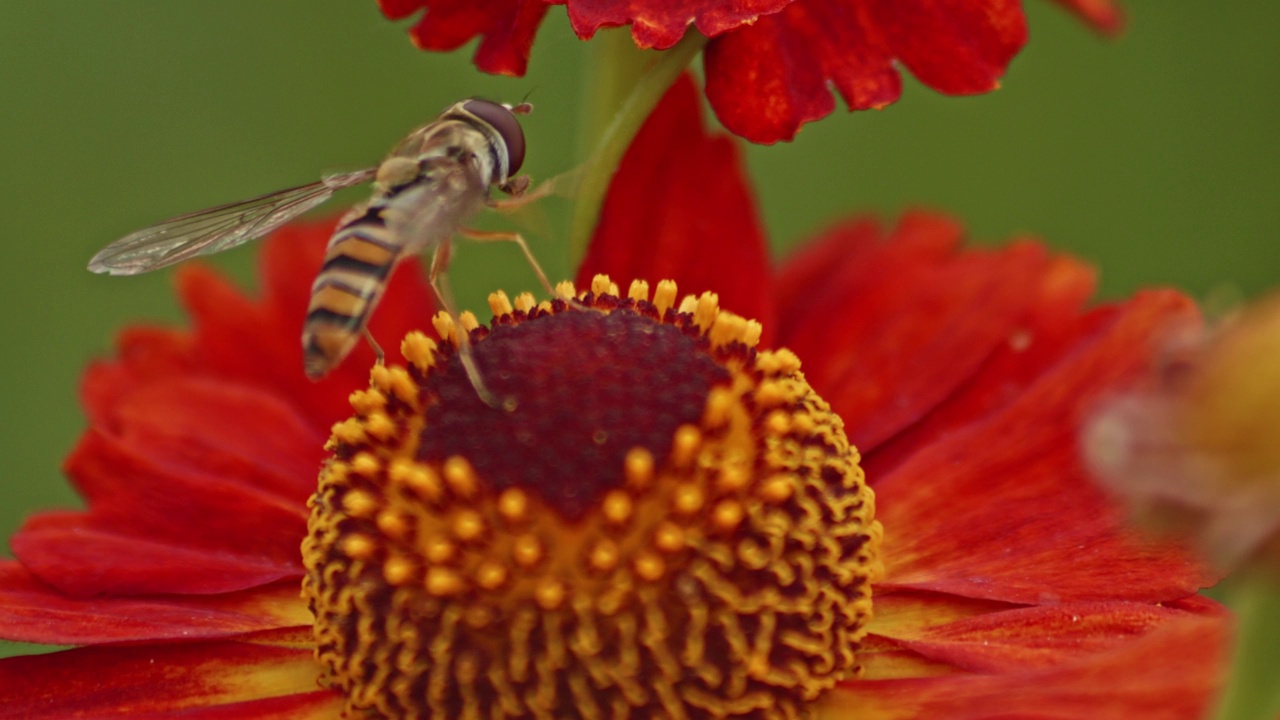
(455,140)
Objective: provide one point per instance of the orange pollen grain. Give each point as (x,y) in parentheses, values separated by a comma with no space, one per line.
(468,526)
(689,499)
(727,515)
(720,405)
(349,431)
(638,468)
(358,547)
(669,537)
(366,464)
(513,505)
(360,504)
(365,402)
(776,490)
(380,426)
(438,549)
(499,303)
(398,570)
(550,594)
(565,290)
(527,551)
(419,350)
(617,507)
(649,566)
(604,556)
(460,477)
(394,524)
(685,445)
(733,478)
(443,582)
(664,297)
(525,302)
(491,575)
(421,479)
(778,422)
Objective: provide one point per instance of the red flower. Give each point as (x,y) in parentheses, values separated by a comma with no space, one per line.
(1010,584)
(771,63)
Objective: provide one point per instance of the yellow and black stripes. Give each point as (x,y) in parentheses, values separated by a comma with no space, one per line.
(356,266)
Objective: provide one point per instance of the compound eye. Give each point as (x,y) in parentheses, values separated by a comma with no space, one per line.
(504,121)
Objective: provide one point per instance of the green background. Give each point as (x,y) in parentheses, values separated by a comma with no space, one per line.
(1155,157)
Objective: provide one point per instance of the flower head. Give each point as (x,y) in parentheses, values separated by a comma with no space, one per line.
(592,547)
(710,553)
(771,64)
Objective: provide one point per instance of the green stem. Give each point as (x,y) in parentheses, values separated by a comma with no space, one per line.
(1254,689)
(647,90)
(616,66)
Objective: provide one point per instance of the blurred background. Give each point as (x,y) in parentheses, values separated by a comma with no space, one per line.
(1156,157)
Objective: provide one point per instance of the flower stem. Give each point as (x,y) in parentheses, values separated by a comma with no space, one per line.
(617,66)
(617,71)
(1254,690)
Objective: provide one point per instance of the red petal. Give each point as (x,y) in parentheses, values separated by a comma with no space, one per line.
(768,79)
(1020,639)
(888,331)
(149,493)
(143,354)
(31,611)
(508,28)
(680,208)
(958,47)
(85,557)
(1055,324)
(316,705)
(163,681)
(1171,673)
(661,23)
(179,516)
(1104,15)
(1003,510)
(203,425)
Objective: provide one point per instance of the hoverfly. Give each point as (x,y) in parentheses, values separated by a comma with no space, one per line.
(428,186)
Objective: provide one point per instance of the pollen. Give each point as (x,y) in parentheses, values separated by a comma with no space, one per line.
(468,525)
(513,506)
(659,519)
(638,468)
(419,350)
(617,507)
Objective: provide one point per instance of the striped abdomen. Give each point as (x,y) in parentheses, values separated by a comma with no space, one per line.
(357,263)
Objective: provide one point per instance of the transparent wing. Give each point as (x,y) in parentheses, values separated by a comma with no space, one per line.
(217,228)
(432,212)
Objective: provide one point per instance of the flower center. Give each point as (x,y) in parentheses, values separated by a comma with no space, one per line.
(568,453)
(658,521)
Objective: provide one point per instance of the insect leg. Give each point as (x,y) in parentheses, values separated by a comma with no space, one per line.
(518,239)
(440,284)
(518,189)
(373,345)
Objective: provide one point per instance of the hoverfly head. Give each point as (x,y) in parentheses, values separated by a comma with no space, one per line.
(502,118)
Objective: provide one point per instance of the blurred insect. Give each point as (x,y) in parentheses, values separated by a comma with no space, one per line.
(423,192)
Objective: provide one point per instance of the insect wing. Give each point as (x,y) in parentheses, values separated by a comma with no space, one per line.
(218,228)
(430,213)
